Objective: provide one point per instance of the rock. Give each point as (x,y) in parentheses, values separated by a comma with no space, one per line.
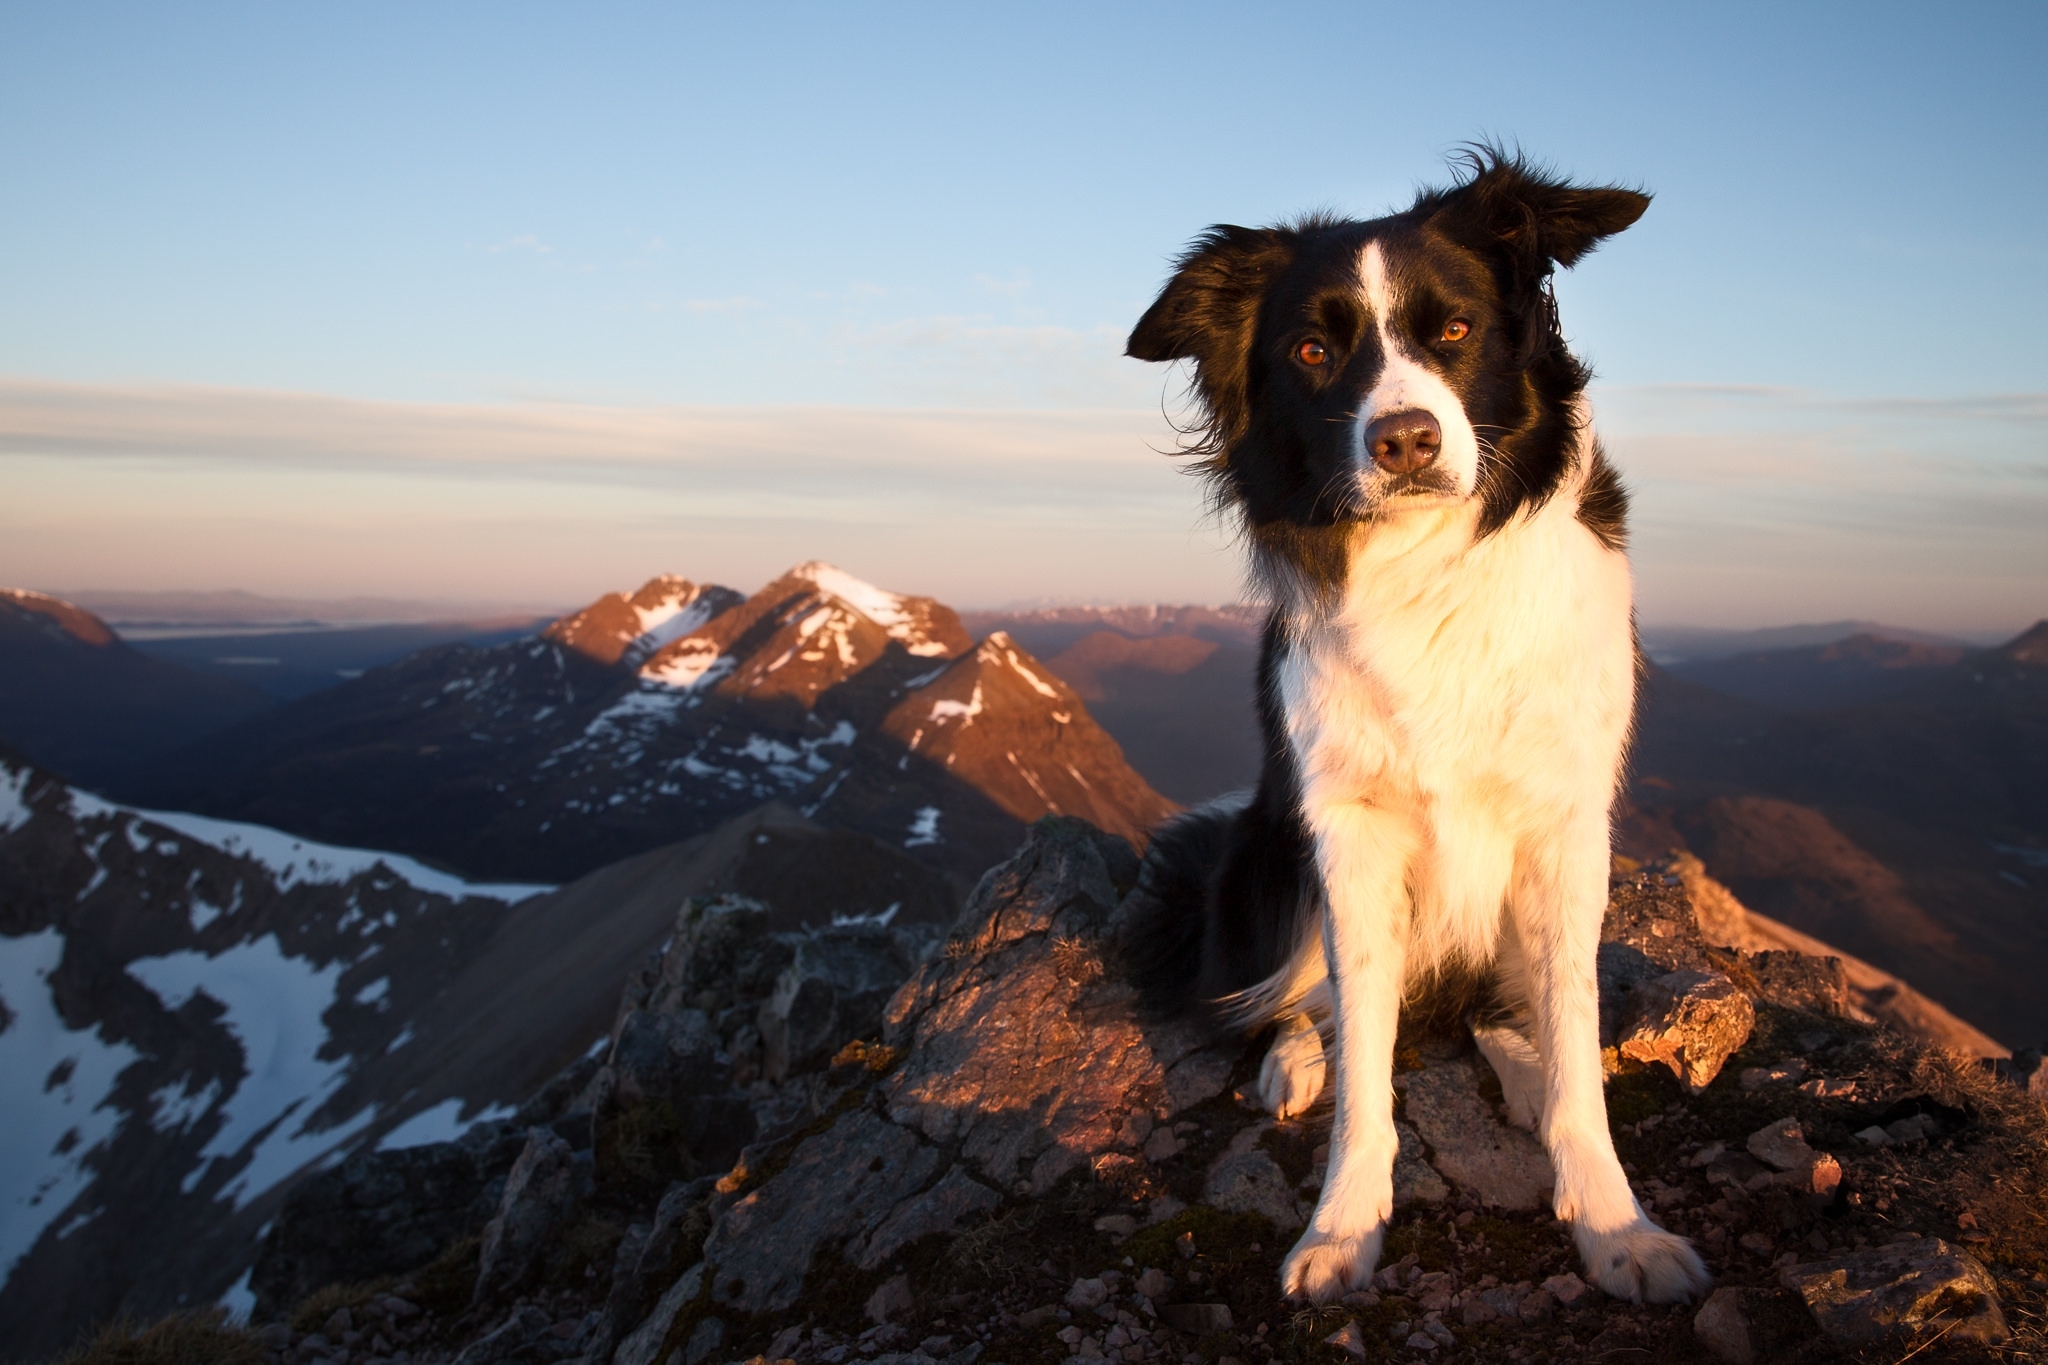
(1913,1128)
(941,1208)
(1568,1289)
(1691,1021)
(1086,1294)
(649,1258)
(1788,1072)
(1162,1145)
(1197,1319)
(705,1338)
(833,990)
(381,1213)
(1781,1145)
(1502,1302)
(541,1194)
(1350,1341)
(1818,1179)
(1415,1180)
(1897,1292)
(643,1344)
(1874,1136)
(1434,1291)
(1022,1047)
(891,1297)
(1741,1326)
(1505,1167)
(837,1184)
(676,1062)
(508,1339)
(1245,1179)
(1155,1284)
(1801,981)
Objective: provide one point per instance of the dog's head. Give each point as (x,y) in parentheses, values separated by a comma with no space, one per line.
(1354,372)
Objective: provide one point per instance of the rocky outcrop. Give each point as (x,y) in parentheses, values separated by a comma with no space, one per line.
(382,1213)
(1024,1062)
(1016,1164)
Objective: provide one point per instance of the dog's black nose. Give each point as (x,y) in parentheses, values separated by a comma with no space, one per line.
(1403,442)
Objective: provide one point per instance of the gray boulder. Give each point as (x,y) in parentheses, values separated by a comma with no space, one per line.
(541,1196)
(1899,1292)
(834,989)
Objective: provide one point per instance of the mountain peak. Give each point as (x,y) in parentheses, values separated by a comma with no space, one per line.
(77,622)
(618,628)
(2030,646)
(920,624)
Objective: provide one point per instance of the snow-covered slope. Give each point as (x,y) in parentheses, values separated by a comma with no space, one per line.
(191,1010)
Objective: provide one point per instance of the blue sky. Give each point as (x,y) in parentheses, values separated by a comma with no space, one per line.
(534,301)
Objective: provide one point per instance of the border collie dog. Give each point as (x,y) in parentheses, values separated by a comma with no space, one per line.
(1446,683)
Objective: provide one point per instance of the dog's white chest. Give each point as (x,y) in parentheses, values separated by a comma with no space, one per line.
(1480,694)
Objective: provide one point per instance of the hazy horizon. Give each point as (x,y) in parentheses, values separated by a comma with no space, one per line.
(186,610)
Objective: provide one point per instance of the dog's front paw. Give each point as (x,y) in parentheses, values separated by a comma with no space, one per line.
(1644,1264)
(1323,1267)
(1292,1075)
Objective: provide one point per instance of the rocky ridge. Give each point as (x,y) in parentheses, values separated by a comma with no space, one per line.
(1007,1162)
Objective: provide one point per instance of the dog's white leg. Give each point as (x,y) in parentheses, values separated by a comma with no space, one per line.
(1505,1041)
(1364,855)
(1292,1075)
(1520,1067)
(1559,897)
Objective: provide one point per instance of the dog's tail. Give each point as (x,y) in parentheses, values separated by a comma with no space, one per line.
(1217,923)
(1166,916)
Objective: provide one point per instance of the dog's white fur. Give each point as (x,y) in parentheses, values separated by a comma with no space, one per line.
(1459,717)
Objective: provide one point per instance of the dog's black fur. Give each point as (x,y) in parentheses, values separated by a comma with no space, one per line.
(1226,889)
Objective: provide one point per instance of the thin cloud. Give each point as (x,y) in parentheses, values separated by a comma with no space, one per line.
(525,241)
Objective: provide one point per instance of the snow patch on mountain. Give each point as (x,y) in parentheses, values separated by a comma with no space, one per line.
(884,608)
(442,1123)
(292,860)
(693,666)
(1003,645)
(946,709)
(924,829)
(55,1086)
(671,619)
(274,1004)
(13,810)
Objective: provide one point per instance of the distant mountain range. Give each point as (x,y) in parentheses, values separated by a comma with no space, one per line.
(650,717)
(663,713)
(1906,821)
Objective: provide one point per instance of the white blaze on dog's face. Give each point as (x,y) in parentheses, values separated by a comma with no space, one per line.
(1410,385)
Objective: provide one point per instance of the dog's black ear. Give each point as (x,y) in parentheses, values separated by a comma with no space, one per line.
(1210,308)
(1537,217)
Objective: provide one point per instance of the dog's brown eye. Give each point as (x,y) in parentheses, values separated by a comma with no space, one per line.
(1457,329)
(1311,353)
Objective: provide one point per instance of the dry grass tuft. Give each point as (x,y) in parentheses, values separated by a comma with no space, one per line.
(187,1339)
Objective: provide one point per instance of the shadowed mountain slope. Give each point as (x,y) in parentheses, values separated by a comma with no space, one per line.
(76,699)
